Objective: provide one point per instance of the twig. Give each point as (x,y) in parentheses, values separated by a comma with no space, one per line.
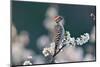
(53,59)
(59,50)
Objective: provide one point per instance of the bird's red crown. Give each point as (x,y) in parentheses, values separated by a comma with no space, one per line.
(57,19)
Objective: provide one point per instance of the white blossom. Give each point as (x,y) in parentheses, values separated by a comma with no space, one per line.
(83,39)
(27,63)
(67,35)
(68,40)
(78,41)
(48,51)
(87,36)
(71,41)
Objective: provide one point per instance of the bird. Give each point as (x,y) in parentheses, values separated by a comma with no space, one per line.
(59,32)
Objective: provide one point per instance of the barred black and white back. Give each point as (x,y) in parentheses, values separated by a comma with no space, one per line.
(59,31)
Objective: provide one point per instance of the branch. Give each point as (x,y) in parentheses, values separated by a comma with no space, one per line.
(59,50)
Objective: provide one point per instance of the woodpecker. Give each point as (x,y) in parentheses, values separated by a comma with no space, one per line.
(59,32)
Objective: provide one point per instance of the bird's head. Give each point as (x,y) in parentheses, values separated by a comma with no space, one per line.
(57,19)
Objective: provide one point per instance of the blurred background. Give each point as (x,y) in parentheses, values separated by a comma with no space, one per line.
(32,30)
